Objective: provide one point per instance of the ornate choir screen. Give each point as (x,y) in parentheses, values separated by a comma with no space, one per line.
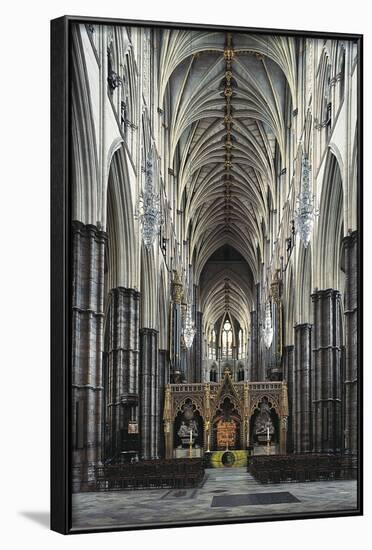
(235,416)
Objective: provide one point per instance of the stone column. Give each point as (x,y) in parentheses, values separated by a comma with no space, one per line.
(88,250)
(168,422)
(177,374)
(163,378)
(177,297)
(254,347)
(207,418)
(351,344)
(147,390)
(283,420)
(283,432)
(288,376)
(197,347)
(122,356)
(326,372)
(302,390)
(261,350)
(186,373)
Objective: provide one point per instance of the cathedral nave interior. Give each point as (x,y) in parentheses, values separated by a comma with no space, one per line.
(215,275)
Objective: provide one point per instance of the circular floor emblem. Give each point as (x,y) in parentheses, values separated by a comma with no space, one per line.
(228,459)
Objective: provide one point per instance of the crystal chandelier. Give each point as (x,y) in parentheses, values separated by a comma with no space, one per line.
(305,209)
(151,214)
(267,331)
(189,328)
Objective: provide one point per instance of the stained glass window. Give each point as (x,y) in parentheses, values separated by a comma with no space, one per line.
(241,344)
(212,345)
(227,337)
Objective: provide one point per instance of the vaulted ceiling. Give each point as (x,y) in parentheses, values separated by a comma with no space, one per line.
(228,97)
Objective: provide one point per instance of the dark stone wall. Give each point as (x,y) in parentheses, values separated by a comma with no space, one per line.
(121,366)
(326,372)
(302,402)
(149,396)
(351,344)
(288,376)
(88,253)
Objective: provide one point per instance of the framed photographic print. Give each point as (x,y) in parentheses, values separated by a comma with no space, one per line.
(206,274)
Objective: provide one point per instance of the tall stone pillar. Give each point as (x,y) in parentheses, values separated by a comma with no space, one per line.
(186,371)
(168,422)
(148,391)
(351,344)
(254,347)
(177,296)
(326,372)
(288,377)
(302,421)
(197,347)
(121,358)
(88,249)
(274,369)
(261,350)
(163,379)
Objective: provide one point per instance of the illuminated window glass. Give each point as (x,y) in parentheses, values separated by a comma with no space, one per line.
(212,345)
(241,344)
(227,338)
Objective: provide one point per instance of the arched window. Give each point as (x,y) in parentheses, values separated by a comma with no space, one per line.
(323,98)
(240,373)
(241,344)
(213,374)
(341,74)
(212,345)
(325,107)
(227,338)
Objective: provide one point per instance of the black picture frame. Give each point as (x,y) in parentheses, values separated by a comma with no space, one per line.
(61,268)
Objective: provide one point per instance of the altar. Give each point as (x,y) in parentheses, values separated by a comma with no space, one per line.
(187,453)
(226,421)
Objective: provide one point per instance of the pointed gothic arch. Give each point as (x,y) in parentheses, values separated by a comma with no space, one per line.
(84,159)
(122,269)
(330,226)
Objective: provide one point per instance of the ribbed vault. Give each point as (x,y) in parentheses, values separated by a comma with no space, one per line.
(228,97)
(226,287)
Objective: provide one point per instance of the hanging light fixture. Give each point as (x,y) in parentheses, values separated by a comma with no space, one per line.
(150,205)
(305,212)
(267,331)
(189,328)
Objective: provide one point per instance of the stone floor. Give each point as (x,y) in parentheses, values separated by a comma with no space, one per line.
(144,507)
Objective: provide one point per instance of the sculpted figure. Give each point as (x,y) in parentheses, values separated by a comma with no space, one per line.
(263,420)
(183,431)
